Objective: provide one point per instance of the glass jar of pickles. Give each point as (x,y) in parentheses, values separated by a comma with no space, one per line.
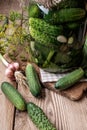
(58,35)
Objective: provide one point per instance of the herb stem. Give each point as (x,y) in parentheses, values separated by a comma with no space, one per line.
(4,61)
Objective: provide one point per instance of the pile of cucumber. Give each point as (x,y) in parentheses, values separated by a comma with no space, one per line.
(35,113)
(60,31)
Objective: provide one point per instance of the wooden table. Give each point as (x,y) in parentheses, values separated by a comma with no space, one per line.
(62,112)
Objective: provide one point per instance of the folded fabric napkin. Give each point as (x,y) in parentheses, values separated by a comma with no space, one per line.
(49,77)
(52,77)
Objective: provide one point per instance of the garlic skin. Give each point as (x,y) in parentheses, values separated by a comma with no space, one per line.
(9,73)
(10,66)
(16,65)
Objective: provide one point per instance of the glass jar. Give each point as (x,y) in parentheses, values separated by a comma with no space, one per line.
(66,53)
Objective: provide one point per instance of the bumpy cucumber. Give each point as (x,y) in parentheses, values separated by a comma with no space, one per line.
(38,117)
(62,58)
(74,25)
(70,79)
(13,95)
(33,80)
(42,37)
(45,27)
(34,11)
(65,15)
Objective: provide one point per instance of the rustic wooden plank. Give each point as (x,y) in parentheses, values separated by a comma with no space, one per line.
(6,108)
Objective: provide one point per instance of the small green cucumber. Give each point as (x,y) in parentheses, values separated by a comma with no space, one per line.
(38,117)
(34,11)
(33,80)
(13,95)
(65,15)
(73,25)
(69,79)
(42,38)
(44,27)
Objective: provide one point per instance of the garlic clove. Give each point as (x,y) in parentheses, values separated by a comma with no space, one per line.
(61,39)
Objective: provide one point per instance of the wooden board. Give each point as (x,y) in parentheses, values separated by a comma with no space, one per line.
(62,112)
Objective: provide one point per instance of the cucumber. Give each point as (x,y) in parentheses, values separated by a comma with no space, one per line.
(33,80)
(62,58)
(13,95)
(45,27)
(65,15)
(48,59)
(38,117)
(34,11)
(73,26)
(42,38)
(70,79)
(40,49)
